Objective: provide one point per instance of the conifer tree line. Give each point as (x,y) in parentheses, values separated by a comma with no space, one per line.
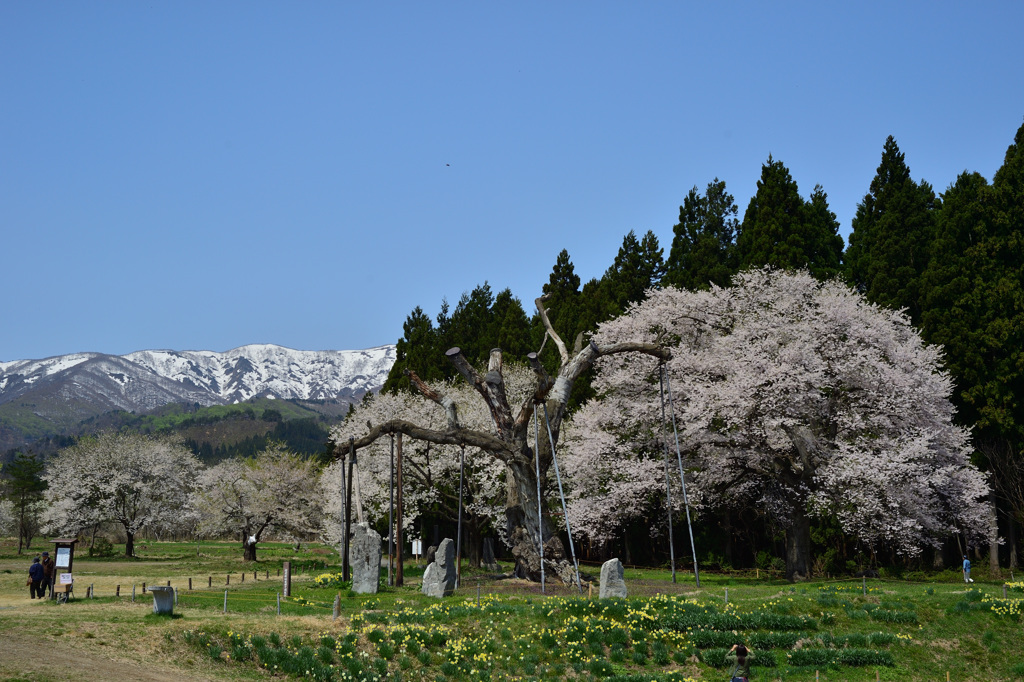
(954,261)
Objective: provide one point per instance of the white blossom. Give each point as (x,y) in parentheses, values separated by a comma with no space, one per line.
(792,397)
(130,479)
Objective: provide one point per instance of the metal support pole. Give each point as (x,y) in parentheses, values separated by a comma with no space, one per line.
(668,486)
(682,477)
(540,515)
(391,515)
(561,495)
(458,540)
(348,504)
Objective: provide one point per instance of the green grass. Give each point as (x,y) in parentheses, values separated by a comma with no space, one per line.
(668,632)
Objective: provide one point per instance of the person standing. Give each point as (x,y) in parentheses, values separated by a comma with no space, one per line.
(967,570)
(47,564)
(36,576)
(739,657)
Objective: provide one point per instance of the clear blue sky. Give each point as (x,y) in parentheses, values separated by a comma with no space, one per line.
(204,175)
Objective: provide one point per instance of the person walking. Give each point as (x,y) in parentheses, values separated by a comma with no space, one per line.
(739,657)
(36,576)
(967,570)
(47,564)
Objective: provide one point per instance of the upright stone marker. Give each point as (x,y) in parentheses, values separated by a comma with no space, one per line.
(365,551)
(439,578)
(612,583)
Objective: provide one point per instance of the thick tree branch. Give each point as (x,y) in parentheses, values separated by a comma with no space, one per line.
(459,436)
(450,408)
(550,330)
(491,387)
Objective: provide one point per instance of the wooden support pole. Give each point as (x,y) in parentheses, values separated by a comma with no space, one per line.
(117,591)
(209,581)
(143,588)
(399,573)
(190,584)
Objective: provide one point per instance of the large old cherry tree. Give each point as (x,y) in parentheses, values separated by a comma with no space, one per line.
(510,434)
(793,397)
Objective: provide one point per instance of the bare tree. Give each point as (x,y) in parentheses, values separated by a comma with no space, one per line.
(511,441)
(1007,468)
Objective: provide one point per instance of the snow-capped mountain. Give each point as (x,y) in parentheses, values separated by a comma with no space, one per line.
(69,388)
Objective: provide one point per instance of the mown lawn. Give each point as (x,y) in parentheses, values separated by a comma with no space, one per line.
(505,630)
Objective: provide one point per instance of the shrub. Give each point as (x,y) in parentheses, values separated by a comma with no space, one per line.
(101,547)
(819,657)
(889,616)
(861,657)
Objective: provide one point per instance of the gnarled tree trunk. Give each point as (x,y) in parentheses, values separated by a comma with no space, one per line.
(514,435)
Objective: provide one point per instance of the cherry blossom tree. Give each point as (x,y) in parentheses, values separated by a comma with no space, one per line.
(7,517)
(273,493)
(509,436)
(794,397)
(134,480)
(430,471)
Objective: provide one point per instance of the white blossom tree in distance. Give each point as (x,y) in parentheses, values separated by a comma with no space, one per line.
(272,493)
(793,397)
(134,480)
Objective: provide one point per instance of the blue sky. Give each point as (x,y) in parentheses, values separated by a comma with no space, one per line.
(200,176)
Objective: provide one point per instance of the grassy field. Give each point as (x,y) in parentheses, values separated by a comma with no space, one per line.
(493,629)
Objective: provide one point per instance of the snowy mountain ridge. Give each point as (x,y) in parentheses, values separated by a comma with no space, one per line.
(146,379)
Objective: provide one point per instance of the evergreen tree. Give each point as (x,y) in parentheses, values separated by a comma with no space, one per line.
(825,245)
(24,488)
(638,266)
(703,245)
(563,307)
(510,327)
(891,235)
(417,351)
(470,323)
(782,230)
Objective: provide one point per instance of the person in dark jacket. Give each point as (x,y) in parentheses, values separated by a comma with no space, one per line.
(47,564)
(36,576)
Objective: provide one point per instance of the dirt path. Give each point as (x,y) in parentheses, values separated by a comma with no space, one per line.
(26,657)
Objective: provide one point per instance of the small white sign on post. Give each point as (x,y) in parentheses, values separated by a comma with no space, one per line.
(66,579)
(417,547)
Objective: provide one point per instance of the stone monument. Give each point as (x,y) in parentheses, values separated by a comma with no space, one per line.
(365,555)
(612,583)
(439,578)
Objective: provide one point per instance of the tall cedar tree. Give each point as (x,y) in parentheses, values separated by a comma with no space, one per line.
(891,234)
(974,303)
(704,241)
(639,266)
(782,230)
(480,322)
(25,487)
(417,350)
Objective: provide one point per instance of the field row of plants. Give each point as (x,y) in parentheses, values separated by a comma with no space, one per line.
(671,638)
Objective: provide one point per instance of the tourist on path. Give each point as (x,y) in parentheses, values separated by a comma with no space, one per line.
(36,577)
(967,570)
